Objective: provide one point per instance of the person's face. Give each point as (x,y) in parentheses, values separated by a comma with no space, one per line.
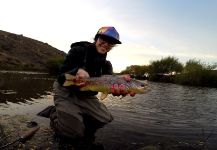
(103,46)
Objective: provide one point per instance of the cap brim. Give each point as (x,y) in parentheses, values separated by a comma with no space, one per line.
(118,42)
(110,39)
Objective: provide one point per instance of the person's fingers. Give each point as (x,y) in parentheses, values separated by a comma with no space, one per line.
(124,94)
(81,73)
(115,90)
(132,94)
(112,89)
(123,90)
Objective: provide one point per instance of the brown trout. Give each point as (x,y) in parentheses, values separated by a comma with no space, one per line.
(103,84)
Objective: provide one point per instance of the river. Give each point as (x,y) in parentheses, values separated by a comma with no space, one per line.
(168,111)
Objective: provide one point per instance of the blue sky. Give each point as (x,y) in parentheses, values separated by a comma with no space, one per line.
(149,29)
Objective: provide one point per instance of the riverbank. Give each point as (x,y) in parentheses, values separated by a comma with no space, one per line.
(14,122)
(17,125)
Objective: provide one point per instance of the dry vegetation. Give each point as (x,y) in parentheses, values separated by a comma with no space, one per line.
(18,52)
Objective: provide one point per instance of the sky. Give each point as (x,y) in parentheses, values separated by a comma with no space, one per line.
(149,29)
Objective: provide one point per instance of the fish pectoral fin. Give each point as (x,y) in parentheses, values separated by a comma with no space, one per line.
(103,96)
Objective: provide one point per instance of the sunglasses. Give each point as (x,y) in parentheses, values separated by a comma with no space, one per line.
(107,40)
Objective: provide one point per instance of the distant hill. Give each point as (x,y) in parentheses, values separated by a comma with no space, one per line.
(18,52)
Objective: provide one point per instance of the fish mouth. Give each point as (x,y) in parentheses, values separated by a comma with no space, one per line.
(144,84)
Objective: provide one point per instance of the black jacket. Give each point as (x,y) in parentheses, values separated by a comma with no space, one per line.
(84,55)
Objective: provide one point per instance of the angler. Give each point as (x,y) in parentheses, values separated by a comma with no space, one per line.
(78,113)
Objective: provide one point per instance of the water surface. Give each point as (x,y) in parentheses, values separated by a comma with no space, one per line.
(168,111)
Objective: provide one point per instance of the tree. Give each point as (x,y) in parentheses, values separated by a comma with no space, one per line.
(198,74)
(136,71)
(196,65)
(165,65)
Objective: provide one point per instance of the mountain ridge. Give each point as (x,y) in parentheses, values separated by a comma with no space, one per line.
(18,52)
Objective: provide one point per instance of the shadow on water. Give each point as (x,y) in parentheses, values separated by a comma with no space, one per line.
(22,87)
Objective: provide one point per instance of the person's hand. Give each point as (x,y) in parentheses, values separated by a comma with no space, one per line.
(128,79)
(81,73)
(121,89)
(118,89)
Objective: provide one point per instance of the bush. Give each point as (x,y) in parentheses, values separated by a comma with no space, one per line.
(197,74)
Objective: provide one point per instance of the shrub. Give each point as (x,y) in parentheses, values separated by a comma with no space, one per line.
(196,73)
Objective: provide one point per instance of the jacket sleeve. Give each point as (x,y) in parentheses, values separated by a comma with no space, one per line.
(107,68)
(74,60)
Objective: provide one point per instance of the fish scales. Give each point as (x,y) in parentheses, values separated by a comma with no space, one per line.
(103,84)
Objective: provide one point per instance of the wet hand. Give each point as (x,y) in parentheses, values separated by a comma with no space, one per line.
(128,79)
(120,90)
(81,73)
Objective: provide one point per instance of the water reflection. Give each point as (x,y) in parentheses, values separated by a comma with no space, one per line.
(167,111)
(23,87)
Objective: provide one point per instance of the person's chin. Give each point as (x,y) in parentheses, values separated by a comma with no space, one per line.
(102,51)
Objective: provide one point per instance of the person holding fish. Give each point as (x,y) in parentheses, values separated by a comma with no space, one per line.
(78,113)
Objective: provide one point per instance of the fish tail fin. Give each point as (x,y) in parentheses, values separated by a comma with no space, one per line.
(67,83)
(69,76)
(70,80)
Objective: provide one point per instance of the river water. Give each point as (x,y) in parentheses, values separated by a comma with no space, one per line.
(168,111)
